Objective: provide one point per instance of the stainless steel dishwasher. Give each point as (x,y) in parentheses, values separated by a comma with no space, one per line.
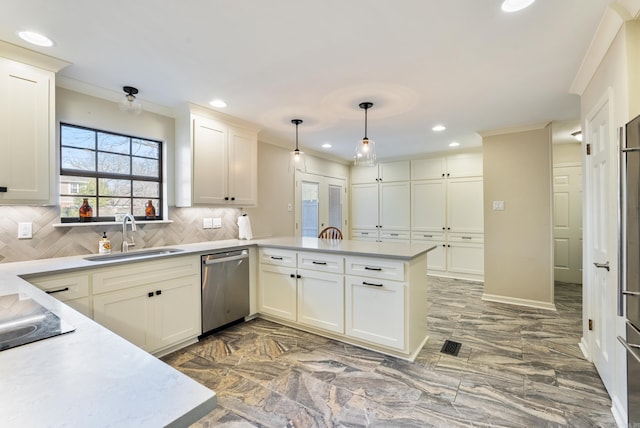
(225,288)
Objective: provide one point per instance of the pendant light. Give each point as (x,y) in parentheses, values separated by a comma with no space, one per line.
(298,160)
(366,148)
(129,103)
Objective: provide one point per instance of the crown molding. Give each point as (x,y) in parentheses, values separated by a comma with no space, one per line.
(28,56)
(514,129)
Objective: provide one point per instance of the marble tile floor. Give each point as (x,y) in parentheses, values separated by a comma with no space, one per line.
(517,367)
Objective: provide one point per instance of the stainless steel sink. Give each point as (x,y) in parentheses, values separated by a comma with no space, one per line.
(133,254)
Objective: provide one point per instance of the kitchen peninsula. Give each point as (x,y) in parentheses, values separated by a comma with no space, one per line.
(369,294)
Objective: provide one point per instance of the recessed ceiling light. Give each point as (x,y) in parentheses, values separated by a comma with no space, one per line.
(326,146)
(35,38)
(515,5)
(454,144)
(439,128)
(218,104)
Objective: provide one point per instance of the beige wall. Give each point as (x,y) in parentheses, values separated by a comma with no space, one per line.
(518,265)
(567,153)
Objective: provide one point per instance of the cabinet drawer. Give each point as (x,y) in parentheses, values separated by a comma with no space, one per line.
(144,273)
(274,256)
(64,287)
(427,236)
(395,236)
(364,235)
(466,237)
(375,268)
(321,262)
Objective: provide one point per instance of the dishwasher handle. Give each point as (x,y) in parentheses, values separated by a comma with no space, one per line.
(241,256)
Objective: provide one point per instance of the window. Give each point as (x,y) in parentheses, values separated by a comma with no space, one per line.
(117,174)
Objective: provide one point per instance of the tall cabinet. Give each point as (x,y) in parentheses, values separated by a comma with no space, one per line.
(447,211)
(216,160)
(27,126)
(376,195)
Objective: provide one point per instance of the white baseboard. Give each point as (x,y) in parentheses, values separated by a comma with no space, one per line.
(619,412)
(584,347)
(519,302)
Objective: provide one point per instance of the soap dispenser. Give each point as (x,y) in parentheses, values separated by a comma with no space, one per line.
(104,245)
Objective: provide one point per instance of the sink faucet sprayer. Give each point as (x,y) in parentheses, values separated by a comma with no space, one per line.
(125,242)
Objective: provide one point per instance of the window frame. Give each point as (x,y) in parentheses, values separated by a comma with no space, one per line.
(96,175)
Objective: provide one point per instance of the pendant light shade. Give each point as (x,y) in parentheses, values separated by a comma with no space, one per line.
(366,148)
(129,103)
(297,156)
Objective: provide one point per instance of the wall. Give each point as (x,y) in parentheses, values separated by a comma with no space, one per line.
(567,153)
(518,252)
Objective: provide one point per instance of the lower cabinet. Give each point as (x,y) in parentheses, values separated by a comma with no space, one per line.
(321,300)
(277,291)
(70,288)
(375,311)
(155,305)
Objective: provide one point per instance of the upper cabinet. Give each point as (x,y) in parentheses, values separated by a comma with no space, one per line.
(216,161)
(27,126)
(384,172)
(451,166)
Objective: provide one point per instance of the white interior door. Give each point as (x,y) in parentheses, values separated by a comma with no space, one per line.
(601,244)
(567,223)
(320,202)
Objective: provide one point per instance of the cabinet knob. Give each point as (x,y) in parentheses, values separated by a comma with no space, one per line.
(292,275)
(233,198)
(226,198)
(150,294)
(158,292)
(3,189)
(298,276)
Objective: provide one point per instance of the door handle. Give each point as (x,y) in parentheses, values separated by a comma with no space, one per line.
(602,265)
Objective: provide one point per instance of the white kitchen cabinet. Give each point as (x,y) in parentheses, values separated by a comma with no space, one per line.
(155,305)
(447,211)
(375,311)
(321,300)
(379,210)
(277,292)
(383,172)
(216,160)
(71,288)
(27,127)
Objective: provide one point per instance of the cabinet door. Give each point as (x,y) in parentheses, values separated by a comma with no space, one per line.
(375,311)
(176,311)
(321,300)
(243,168)
(210,156)
(364,206)
(395,171)
(277,292)
(465,258)
(427,169)
(428,205)
(395,202)
(464,165)
(364,175)
(26,133)
(465,205)
(127,313)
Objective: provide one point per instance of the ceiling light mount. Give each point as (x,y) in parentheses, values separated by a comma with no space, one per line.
(129,103)
(366,148)
(577,135)
(297,156)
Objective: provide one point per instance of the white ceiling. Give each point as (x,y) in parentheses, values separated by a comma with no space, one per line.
(463,63)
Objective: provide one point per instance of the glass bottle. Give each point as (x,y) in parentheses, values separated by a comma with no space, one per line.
(85,211)
(150,211)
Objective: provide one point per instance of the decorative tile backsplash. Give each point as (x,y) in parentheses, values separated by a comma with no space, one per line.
(49,241)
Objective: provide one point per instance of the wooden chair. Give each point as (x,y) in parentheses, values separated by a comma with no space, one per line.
(330,233)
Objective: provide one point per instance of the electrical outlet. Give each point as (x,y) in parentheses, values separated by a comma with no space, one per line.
(498,205)
(25,230)
(207,223)
(217,223)
(289,207)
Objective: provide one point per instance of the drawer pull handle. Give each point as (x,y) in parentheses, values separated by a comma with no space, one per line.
(371,283)
(319,263)
(427,236)
(3,189)
(276,258)
(372,268)
(466,237)
(394,234)
(57,291)
(364,233)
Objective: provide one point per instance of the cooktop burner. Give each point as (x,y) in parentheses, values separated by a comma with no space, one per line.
(23,320)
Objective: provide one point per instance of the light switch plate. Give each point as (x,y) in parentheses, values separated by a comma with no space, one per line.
(498,205)
(217,222)
(207,223)
(25,230)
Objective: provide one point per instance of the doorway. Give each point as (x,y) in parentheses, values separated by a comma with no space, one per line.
(320,202)
(567,223)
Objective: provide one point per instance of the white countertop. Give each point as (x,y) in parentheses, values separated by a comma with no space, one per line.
(92,377)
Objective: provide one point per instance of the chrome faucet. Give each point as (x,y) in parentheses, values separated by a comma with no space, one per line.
(125,242)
